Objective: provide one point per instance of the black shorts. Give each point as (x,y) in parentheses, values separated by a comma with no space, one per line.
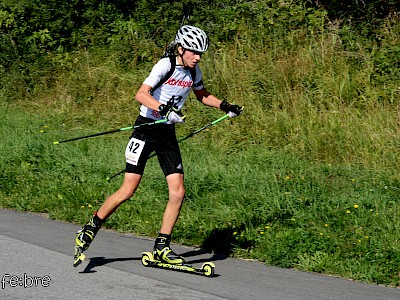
(160,138)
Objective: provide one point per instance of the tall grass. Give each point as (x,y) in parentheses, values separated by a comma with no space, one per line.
(307,177)
(313,100)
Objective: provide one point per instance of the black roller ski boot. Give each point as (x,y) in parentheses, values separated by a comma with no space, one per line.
(85,236)
(164,253)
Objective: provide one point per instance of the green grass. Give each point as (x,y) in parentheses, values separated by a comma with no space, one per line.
(254,202)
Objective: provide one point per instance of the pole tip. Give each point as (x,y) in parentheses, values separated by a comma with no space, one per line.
(56,143)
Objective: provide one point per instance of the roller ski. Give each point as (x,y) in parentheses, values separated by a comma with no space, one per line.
(148,260)
(164,257)
(84,237)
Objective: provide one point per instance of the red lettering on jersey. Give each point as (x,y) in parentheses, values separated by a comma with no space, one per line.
(181,83)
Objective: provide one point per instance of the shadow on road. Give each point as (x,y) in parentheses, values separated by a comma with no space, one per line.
(101,261)
(201,251)
(220,242)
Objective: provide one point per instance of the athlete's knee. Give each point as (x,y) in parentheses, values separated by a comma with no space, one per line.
(124,194)
(177,194)
(128,187)
(180,193)
(176,188)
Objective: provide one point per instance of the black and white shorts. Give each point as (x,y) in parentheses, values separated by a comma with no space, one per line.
(160,138)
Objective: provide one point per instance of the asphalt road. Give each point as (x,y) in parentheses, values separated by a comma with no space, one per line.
(37,257)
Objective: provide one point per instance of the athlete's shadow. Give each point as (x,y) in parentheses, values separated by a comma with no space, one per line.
(101,261)
(220,242)
(201,251)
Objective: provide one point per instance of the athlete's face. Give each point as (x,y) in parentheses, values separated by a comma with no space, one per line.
(190,57)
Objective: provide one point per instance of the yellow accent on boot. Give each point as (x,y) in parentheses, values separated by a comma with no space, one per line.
(79,238)
(168,256)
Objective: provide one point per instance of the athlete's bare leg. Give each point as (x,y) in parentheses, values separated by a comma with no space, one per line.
(126,191)
(176,194)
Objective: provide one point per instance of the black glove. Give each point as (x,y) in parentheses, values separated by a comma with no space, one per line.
(232,110)
(171,113)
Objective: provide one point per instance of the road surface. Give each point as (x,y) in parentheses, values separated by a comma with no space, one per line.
(37,263)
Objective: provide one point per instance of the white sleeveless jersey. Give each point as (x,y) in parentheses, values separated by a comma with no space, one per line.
(172,92)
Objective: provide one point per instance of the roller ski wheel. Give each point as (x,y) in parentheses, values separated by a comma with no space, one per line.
(207,268)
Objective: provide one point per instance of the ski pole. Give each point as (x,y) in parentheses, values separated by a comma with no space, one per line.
(186,13)
(181,140)
(111,131)
(203,128)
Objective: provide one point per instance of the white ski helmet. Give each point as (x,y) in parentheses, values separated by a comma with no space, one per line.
(192,38)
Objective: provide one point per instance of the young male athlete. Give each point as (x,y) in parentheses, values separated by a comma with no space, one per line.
(161,102)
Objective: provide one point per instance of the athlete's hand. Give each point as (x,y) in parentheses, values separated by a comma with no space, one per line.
(174,117)
(171,113)
(235,110)
(232,110)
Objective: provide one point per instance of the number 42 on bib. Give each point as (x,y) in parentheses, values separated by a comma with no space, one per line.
(133,151)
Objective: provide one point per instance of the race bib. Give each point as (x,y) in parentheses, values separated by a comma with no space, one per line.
(133,151)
